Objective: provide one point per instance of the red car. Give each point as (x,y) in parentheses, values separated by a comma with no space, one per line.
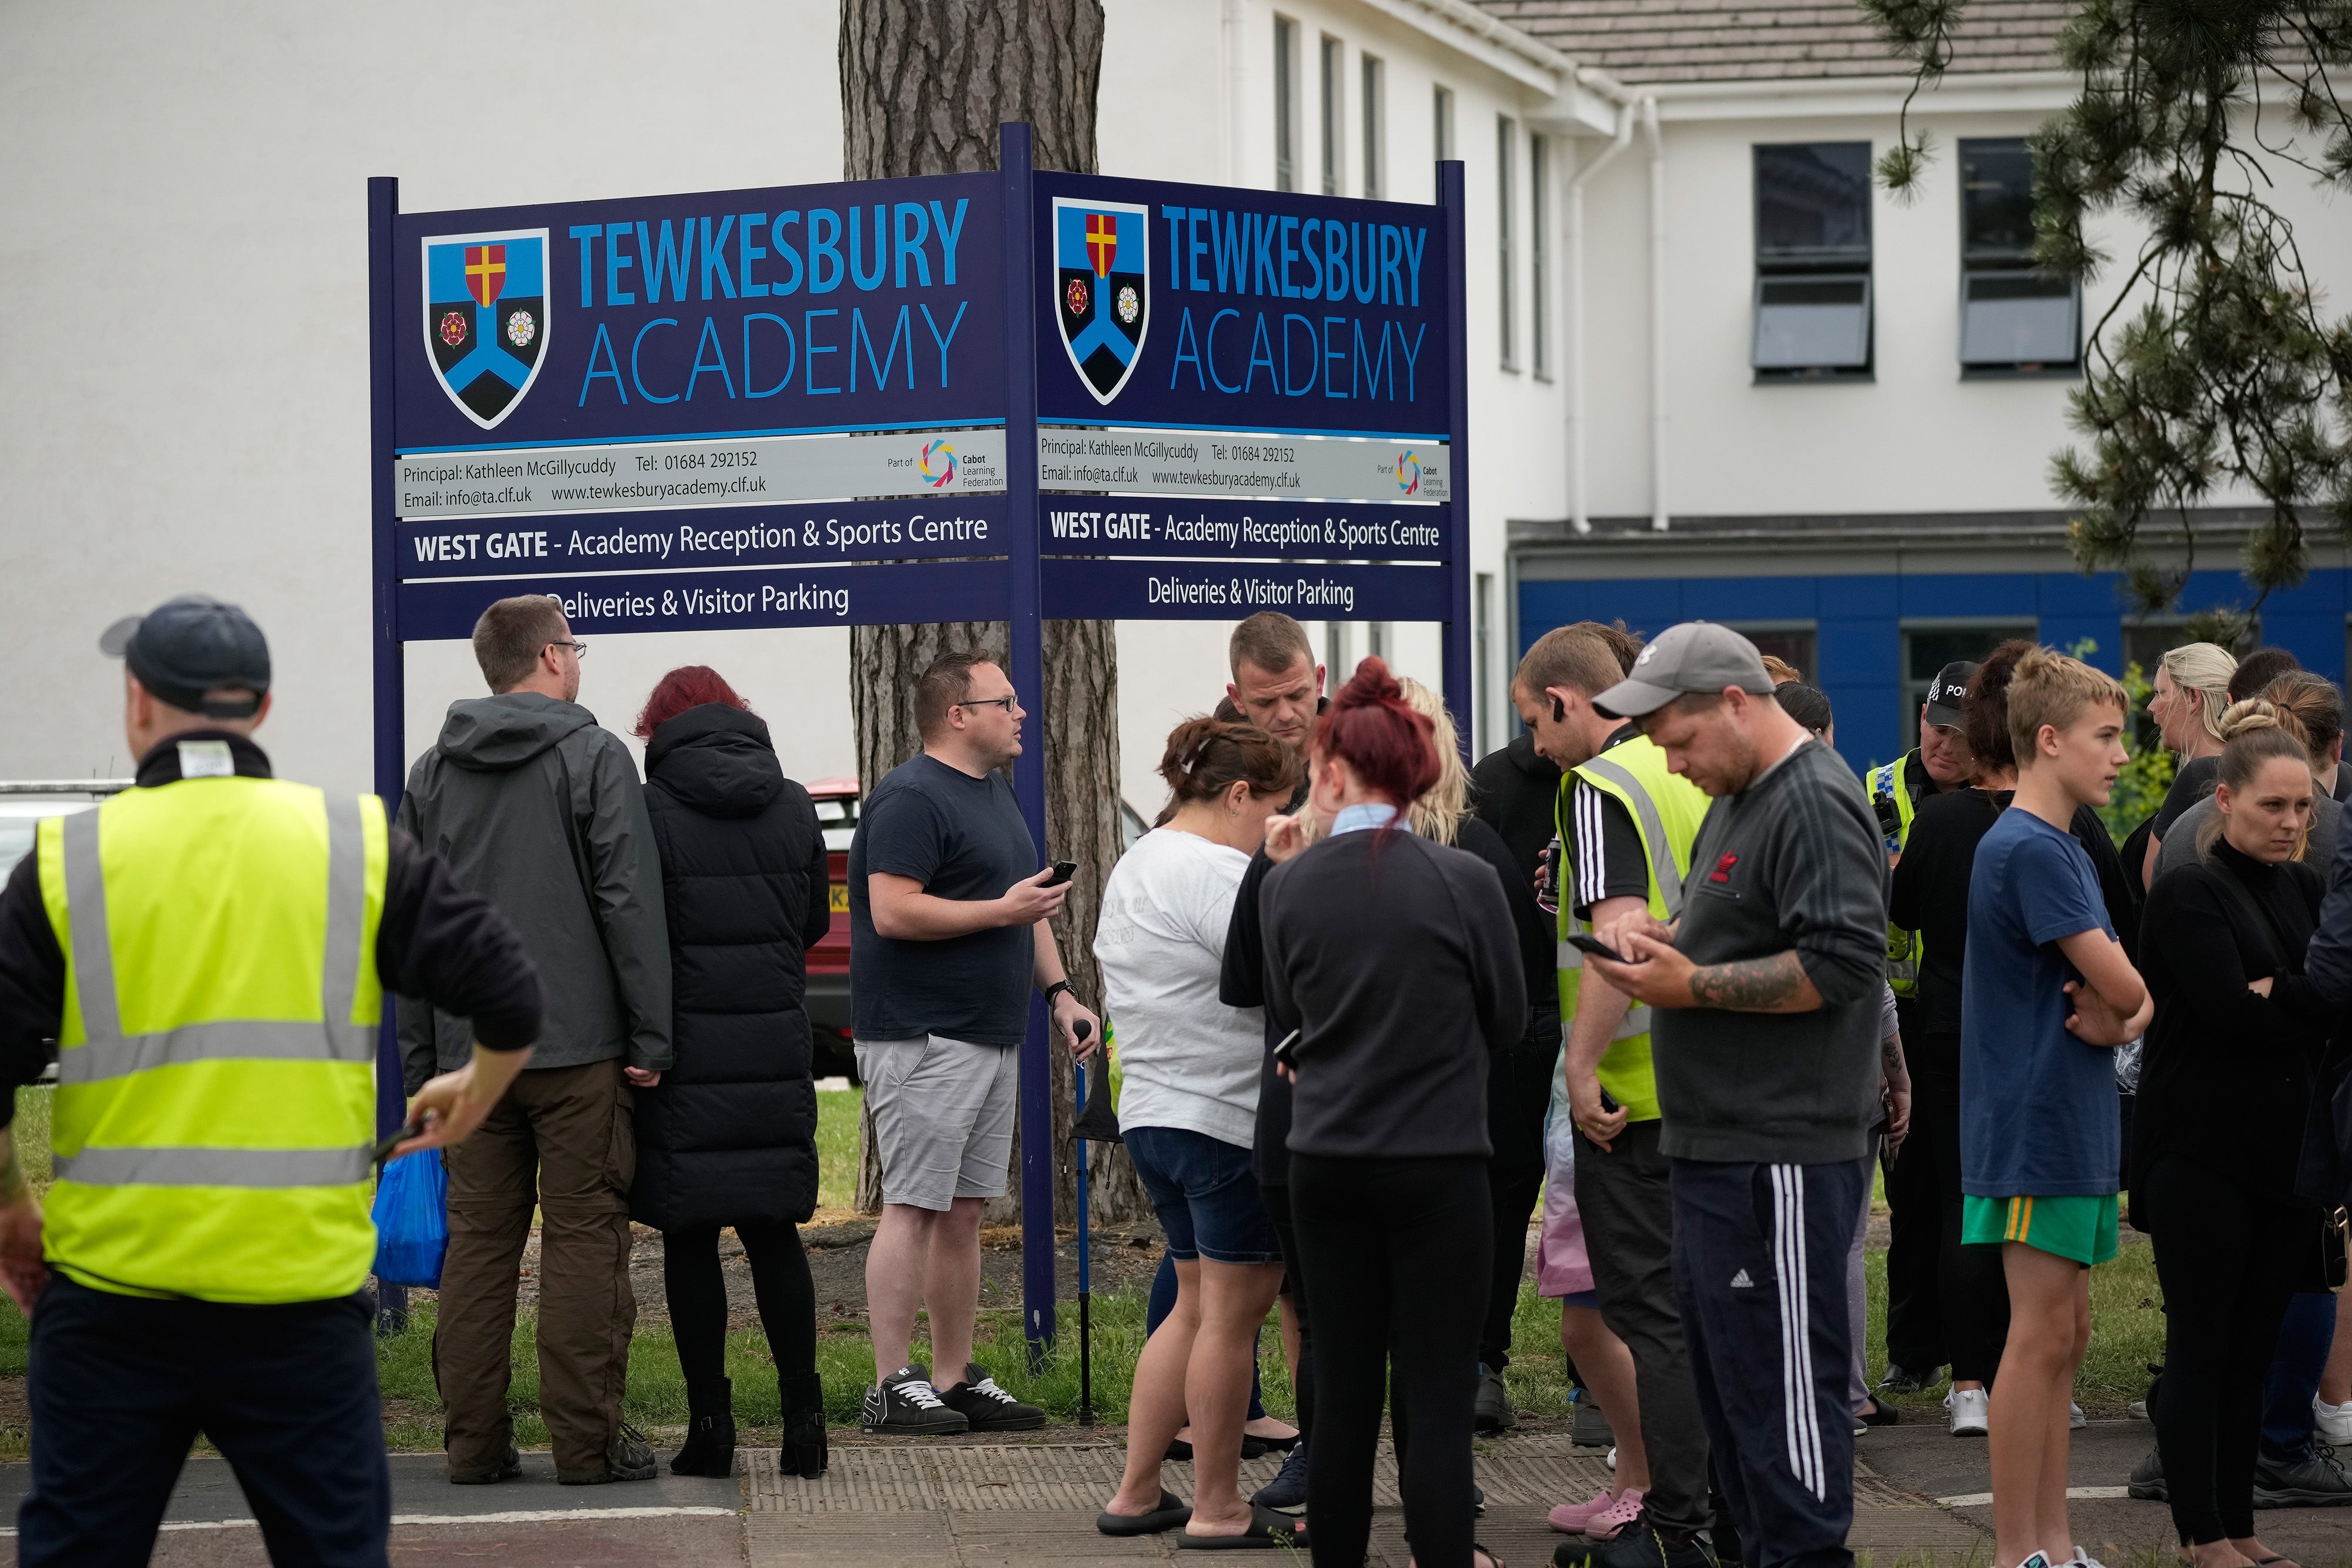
(832,1054)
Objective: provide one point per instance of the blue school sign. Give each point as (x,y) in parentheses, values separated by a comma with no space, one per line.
(969,397)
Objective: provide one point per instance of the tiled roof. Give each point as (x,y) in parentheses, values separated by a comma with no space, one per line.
(1641,41)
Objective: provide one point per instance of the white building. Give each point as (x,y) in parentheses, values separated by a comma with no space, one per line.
(183,380)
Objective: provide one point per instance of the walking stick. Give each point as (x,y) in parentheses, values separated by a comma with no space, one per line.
(1086,1316)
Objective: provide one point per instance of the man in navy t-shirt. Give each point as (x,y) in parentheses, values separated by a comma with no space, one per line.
(948,934)
(2046,995)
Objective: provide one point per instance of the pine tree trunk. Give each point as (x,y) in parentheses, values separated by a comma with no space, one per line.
(924,87)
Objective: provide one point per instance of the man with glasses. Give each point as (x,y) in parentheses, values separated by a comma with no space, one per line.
(539,811)
(948,920)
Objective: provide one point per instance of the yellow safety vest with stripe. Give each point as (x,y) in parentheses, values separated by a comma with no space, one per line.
(1891,782)
(214,1118)
(1666,810)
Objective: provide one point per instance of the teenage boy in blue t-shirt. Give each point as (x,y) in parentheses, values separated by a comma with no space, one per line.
(2046,995)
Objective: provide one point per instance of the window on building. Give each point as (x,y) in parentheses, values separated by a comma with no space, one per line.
(1373,95)
(1285,104)
(1539,253)
(1505,242)
(1813,260)
(1929,647)
(1482,624)
(1791,640)
(1441,109)
(1334,115)
(2012,317)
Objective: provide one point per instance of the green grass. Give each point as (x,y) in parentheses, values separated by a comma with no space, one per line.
(837,1111)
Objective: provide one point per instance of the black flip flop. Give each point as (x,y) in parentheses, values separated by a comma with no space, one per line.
(1267,1531)
(1179,1452)
(1172,1513)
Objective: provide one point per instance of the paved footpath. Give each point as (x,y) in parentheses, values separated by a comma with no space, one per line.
(1919,1499)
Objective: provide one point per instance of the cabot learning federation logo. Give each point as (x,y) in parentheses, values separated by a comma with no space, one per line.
(486,317)
(939,464)
(1408,473)
(1102,289)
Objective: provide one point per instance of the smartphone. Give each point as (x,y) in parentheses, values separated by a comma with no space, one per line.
(398,1136)
(1600,949)
(1063,871)
(1285,1049)
(1609,1101)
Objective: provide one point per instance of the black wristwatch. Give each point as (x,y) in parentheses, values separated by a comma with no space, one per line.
(1056,989)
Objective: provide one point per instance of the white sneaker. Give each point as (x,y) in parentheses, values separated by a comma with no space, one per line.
(1972,1411)
(2334,1421)
(1612,1461)
(2075,1422)
(2082,1559)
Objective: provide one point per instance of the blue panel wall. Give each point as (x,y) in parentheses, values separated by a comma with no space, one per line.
(1859,623)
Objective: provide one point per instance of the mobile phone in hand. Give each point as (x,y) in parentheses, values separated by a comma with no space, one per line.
(1600,949)
(1285,1049)
(1063,871)
(1609,1103)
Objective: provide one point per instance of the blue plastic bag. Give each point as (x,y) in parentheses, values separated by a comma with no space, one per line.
(412,1220)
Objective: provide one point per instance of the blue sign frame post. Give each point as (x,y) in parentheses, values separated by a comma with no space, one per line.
(973,397)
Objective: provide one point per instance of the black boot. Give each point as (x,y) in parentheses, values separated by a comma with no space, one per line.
(803,1453)
(710,1436)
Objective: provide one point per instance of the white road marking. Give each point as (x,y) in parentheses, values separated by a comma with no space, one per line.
(2075,1494)
(511,1516)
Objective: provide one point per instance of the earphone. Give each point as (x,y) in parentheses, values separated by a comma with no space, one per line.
(1558,710)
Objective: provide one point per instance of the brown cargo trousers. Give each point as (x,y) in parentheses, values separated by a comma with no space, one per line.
(563,1138)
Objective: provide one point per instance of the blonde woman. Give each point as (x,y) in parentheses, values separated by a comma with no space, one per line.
(2307,706)
(2192,687)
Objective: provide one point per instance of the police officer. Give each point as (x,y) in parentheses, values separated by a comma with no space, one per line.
(1942,761)
(209,951)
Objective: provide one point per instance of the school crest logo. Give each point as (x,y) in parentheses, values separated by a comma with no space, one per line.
(1102,294)
(485,321)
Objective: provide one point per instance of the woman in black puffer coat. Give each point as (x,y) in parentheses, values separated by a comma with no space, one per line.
(729,1136)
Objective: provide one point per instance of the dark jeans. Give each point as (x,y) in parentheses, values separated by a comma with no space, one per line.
(2293,1379)
(2227,1262)
(1914,1249)
(120,1386)
(1628,1208)
(1975,1290)
(1518,1092)
(697,1290)
(1302,1383)
(1396,1252)
(1759,1268)
(1162,1302)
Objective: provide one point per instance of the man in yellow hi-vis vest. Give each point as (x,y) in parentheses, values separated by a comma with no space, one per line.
(210,951)
(1626,825)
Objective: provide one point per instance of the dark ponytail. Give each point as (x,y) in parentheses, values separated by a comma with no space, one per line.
(1207,757)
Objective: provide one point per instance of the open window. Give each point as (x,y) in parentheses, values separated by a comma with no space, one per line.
(1813,261)
(2013,318)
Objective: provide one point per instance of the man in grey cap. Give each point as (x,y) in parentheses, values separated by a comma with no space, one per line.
(209,951)
(1766,996)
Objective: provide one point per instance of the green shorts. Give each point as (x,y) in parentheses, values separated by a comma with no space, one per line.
(2082,1229)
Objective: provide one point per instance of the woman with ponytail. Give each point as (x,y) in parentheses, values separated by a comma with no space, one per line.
(1187,1112)
(1392,963)
(2224,1091)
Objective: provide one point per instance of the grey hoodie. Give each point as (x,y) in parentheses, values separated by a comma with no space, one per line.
(540,811)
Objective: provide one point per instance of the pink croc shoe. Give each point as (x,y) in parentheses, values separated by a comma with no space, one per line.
(1610,1522)
(1572,1517)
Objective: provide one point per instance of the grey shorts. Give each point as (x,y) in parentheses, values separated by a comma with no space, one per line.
(943,1115)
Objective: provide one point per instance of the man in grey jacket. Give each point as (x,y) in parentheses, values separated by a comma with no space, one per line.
(1768,993)
(540,811)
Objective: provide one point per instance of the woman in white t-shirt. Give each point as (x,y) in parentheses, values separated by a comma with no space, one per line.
(1187,1114)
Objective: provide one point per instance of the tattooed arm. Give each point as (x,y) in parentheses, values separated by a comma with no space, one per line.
(1775,985)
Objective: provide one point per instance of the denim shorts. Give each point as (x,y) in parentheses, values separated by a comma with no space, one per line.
(1205,1194)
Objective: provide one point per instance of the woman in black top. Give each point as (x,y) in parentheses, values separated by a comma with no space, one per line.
(729,1137)
(1396,962)
(1930,895)
(2224,1089)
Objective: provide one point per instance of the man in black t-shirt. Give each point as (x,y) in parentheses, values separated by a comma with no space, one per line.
(948,932)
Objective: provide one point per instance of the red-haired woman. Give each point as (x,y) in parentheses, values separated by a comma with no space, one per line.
(729,1136)
(1396,961)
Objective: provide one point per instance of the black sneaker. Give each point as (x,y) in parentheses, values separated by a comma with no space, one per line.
(1642,1545)
(2315,1481)
(988,1408)
(2147,1479)
(1287,1490)
(1589,1428)
(627,1457)
(1903,1380)
(905,1405)
(1493,1411)
(506,1469)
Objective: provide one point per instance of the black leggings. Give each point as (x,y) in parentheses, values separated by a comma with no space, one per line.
(1974,1291)
(2228,1264)
(1302,1382)
(697,1297)
(1397,1252)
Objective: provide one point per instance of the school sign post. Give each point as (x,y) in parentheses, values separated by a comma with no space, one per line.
(966,397)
